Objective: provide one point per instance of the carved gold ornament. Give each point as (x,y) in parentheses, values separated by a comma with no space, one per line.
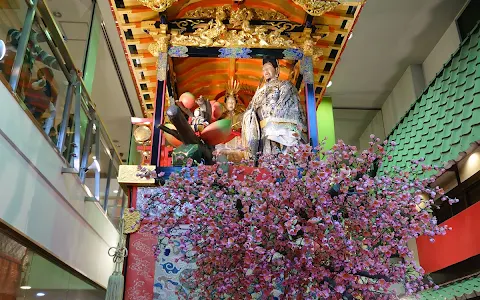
(309,49)
(142,134)
(157,5)
(201,13)
(257,13)
(131,221)
(216,33)
(317,7)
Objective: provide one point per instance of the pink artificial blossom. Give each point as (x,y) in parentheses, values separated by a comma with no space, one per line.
(314,224)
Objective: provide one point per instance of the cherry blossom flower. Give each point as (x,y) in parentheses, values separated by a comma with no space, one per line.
(312,224)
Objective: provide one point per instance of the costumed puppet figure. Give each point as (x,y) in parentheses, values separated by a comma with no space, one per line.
(201,115)
(274,119)
(233,148)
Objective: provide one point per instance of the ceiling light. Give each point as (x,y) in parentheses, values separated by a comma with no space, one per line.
(3,49)
(115,191)
(57,14)
(350,36)
(25,287)
(329,84)
(40,294)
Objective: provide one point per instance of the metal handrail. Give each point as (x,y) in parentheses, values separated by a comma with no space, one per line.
(78,98)
(57,38)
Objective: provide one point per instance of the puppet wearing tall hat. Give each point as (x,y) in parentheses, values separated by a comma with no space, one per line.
(274,120)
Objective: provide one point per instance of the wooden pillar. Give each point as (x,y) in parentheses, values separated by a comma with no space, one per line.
(311,105)
(158,117)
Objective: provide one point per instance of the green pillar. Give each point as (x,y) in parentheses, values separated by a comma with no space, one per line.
(326,125)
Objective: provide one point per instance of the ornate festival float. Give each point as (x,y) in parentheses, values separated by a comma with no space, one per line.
(236,198)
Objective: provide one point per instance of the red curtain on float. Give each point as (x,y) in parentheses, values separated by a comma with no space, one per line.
(139,277)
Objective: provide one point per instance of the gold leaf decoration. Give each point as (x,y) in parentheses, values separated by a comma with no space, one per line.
(157,5)
(200,13)
(216,33)
(268,15)
(257,13)
(131,221)
(317,7)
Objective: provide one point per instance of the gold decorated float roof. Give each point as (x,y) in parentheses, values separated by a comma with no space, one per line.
(208,76)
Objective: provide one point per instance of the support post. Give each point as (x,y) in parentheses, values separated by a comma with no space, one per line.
(22,45)
(162,74)
(66,111)
(75,156)
(107,186)
(311,105)
(86,151)
(326,126)
(97,157)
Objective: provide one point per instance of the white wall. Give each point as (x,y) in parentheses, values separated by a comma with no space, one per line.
(375,127)
(442,52)
(410,87)
(46,205)
(407,90)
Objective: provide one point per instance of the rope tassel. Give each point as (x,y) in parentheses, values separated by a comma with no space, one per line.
(116,280)
(115,286)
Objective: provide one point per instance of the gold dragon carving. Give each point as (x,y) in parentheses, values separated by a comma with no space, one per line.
(317,7)
(157,5)
(258,14)
(217,34)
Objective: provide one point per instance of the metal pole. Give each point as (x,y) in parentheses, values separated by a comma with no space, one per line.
(66,112)
(97,157)
(22,45)
(75,161)
(54,49)
(107,186)
(85,152)
(124,202)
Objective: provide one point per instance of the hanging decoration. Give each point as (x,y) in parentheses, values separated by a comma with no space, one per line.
(317,7)
(116,281)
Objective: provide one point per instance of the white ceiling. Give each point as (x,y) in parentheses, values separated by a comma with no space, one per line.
(390,35)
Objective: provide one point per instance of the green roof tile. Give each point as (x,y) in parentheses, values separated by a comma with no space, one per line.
(454,290)
(445,120)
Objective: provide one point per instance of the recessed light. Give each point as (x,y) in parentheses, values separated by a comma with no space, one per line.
(57,14)
(40,294)
(25,287)
(115,191)
(329,84)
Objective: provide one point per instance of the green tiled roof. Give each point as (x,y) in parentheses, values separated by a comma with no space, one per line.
(463,289)
(445,120)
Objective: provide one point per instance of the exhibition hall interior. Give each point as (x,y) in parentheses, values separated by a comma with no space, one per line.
(239,149)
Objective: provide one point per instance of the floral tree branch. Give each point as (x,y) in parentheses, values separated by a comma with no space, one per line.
(308,224)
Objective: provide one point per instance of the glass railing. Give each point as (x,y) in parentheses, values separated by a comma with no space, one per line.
(44,76)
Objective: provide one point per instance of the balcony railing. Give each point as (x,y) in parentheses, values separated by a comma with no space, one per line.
(41,72)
